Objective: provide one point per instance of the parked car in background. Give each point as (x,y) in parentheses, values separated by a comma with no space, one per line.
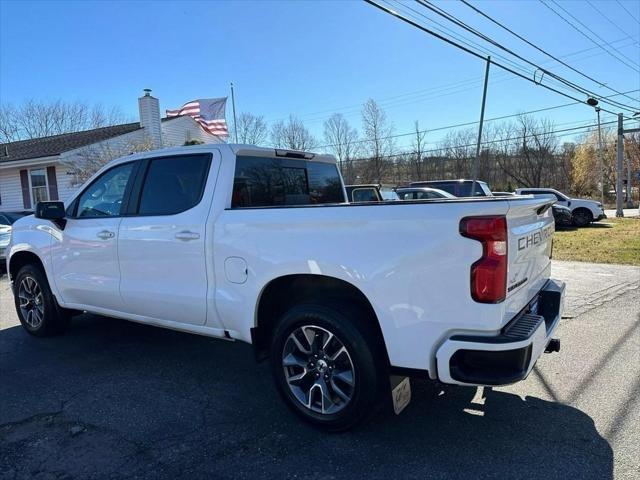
(583,211)
(259,245)
(363,193)
(6,221)
(458,188)
(562,215)
(421,193)
(388,193)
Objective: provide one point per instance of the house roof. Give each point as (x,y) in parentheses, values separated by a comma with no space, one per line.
(57,144)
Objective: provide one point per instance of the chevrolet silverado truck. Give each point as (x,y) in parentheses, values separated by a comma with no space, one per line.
(260,245)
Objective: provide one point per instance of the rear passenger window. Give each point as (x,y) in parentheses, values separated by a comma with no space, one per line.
(324,183)
(173,184)
(265,182)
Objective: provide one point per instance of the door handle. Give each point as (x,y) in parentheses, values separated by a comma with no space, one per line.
(185,235)
(106,234)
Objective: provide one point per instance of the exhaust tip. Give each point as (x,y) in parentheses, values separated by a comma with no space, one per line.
(553,346)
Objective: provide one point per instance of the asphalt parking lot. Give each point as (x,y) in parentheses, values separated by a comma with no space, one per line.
(113,399)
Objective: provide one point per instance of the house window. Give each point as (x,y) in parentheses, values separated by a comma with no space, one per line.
(39,188)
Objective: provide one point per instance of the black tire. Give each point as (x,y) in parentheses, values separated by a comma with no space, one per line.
(582,217)
(47,317)
(350,328)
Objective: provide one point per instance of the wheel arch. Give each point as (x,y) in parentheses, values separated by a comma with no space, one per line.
(20,259)
(581,209)
(283,292)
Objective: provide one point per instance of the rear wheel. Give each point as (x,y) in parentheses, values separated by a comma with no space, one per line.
(582,217)
(37,309)
(327,365)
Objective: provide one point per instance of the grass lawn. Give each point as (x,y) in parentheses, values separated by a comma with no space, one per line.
(613,240)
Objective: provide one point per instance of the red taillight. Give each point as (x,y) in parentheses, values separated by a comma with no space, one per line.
(489,274)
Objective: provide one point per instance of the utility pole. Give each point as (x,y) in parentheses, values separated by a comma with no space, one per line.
(476,164)
(620,167)
(600,165)
(629,189)
(233,104)
(619,158)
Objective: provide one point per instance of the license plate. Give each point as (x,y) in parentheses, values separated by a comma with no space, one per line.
(401,394)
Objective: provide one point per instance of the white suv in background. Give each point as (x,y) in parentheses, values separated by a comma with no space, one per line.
(584,211)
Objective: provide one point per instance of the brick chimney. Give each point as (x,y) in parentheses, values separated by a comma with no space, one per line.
(150,118)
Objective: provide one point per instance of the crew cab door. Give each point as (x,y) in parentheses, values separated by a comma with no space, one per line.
(85,253)
(162,239)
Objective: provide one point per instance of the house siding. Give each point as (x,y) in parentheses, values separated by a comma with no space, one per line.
(182,129)
(11,186)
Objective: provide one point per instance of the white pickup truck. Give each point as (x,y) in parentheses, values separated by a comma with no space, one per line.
(259,245)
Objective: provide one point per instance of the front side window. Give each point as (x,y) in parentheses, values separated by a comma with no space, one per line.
(103,198)
(39,191)
(266,182)
(173,184)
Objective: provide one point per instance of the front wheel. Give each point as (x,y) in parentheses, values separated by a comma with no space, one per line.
(327,365)
(37,309)
(582,217)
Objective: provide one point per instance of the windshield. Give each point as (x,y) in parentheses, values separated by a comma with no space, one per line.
(388,194)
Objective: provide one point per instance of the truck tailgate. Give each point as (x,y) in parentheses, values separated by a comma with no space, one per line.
(530,227)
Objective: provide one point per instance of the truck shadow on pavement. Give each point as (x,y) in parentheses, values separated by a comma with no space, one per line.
(112,399)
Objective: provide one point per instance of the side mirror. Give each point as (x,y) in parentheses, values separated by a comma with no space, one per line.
(53,211)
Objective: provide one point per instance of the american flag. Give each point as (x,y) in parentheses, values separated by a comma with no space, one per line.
(208,112)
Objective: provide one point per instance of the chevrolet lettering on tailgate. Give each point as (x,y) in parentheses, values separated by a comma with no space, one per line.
(535,238)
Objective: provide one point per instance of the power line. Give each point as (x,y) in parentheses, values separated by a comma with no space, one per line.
(471,52)
(573,130)
(439,11)
(625,9)
(542,50)
(603,15)
(465,49)
(587,36)
(465,124)
(591,31)
(470,43)
(423,94)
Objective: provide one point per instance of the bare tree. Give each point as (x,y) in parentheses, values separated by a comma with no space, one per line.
(530,154)
(377,132)
(88,160)
(251,129)
(417,170)
(35,119)
(292,134)
(342,141)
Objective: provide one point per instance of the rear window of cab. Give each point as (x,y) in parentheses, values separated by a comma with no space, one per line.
(269,182)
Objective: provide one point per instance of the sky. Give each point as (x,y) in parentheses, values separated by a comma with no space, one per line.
(311,58)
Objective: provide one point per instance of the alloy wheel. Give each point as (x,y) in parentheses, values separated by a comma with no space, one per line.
(31,302)
(318,369)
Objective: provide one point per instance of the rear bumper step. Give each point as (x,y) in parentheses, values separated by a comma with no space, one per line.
(509,356)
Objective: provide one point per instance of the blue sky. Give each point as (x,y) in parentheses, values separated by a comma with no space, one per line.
(309,58)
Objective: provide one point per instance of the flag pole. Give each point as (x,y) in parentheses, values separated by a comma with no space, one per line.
(233,104)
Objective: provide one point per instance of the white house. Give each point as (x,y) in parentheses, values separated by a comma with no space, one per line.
(42,168)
